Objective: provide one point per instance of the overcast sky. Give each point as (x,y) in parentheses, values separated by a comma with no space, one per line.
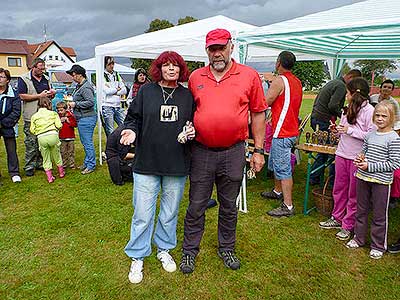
(85,24)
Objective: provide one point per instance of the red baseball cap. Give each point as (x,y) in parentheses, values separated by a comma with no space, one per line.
(218,37)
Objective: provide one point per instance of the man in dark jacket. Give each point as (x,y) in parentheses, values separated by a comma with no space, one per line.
(10,112)
(328,106)
(119,158)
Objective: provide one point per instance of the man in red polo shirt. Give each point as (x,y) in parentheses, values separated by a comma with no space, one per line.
(284,95)
(224,93)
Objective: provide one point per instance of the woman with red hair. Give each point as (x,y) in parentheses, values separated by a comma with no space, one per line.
(159,121)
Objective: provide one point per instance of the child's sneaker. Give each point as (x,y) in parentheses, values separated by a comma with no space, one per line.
(343,234)
(136,271)
(352,244)
(167,261)
(375,254)
(331,223)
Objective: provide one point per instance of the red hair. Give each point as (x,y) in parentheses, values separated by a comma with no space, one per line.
(169,57)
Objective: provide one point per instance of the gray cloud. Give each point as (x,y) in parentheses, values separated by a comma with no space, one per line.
(85,24)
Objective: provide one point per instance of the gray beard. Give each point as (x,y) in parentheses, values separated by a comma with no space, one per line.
(219,66)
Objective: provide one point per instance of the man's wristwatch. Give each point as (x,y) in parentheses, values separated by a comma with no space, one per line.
(259,151)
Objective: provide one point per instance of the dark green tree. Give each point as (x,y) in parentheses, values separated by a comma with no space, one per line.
(158,24)
(311,73)
(372,69)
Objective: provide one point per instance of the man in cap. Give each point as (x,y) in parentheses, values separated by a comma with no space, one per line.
(31,87)
(224,93)
(114,89)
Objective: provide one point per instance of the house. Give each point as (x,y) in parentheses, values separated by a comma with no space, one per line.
(17,55)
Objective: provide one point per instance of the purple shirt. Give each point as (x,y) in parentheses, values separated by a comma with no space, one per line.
(350,143)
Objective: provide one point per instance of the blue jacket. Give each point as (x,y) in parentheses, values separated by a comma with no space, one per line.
(10,112)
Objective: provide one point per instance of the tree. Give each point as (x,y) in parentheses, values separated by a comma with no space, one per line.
(374,68)
(158,24)
(311,73)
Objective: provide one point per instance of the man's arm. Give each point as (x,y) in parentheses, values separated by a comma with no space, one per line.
(336,101)
(274,90)
(28,97)
(257,160)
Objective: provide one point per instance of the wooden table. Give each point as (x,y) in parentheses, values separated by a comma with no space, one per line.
(312,150)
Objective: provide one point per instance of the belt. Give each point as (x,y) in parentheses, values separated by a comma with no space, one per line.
(217,149)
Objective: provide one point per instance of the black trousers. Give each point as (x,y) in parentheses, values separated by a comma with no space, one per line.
(12,158)
(224,167)
(120,170)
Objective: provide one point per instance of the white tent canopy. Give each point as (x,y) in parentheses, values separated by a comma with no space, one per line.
(364,30)
(90,66)
(188,40)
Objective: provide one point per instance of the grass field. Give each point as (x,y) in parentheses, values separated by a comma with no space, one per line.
(66,240)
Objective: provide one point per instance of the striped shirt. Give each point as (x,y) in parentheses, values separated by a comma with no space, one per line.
(382,152)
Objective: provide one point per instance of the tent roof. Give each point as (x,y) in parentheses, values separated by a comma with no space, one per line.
(187,39)
(90,66)
(368,29)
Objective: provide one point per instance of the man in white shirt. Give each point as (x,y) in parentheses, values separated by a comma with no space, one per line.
(114,89)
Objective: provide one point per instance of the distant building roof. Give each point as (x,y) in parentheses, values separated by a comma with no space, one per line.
(37,49)
(63,77)
(70,51)
(14,46)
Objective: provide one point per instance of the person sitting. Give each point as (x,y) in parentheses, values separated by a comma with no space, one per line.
(119,158)
(10,112)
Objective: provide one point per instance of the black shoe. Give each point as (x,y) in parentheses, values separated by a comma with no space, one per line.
(272,195)
(394,248)
(230,259)
(30,172)
(281,211)
(211,203)
(187,264)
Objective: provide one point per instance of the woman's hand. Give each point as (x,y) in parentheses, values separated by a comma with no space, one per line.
(128,136)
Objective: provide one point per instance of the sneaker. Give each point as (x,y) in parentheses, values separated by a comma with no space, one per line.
(167,261)
(16,179)
(330,224)
(343,234)
(375,254)
(136,271)
(272,195)
(81,168)
(103,156)
(30,172)
(394,248)
(87,171)
(187,264)
(281,211)
(352,244)
(230,259)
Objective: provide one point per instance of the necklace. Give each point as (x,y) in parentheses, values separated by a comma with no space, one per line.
(166,95)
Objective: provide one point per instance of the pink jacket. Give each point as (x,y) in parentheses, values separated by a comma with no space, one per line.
(350,143)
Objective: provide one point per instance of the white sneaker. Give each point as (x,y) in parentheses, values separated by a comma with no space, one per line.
(136,272)
(352,244)
(16,178)
(375,254)
(167,261)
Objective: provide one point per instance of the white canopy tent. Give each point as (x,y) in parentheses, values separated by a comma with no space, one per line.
(363,30)
(188,40)
(90,67)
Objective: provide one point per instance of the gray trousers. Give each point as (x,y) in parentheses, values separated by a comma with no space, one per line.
(224,167)
(372,197)
(33,158)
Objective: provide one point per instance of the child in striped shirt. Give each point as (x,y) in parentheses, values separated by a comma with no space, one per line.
(380,156)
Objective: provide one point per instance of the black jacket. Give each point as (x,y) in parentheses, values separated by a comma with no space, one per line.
(10,112)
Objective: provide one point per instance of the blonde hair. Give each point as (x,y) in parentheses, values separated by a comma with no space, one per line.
(390,108)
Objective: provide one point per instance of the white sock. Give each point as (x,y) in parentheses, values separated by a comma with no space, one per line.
(278,193)
(290,207)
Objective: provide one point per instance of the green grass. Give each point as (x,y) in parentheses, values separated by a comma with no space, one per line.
(66,241)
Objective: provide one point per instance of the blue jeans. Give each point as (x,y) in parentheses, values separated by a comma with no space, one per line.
(145,192)
(111,114)
(279,160)
(320,158)
(86,127)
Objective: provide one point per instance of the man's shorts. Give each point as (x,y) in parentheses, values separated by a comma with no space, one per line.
(279,157)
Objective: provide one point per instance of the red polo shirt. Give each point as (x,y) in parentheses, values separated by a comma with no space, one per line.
(221,116)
